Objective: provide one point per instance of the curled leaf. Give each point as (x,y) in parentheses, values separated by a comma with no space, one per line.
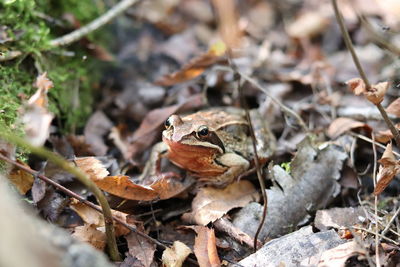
(377,92)
(389,168)
(357,86)
(205,248)
(176,255)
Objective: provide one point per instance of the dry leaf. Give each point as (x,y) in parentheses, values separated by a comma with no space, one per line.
(40,97)
(95,218)
(338,256)
(141,248)
(205,248)
(22,180)
(89,233)
(342,125)
(394,108)
(377,92)
(123,187)
(195,67)
(308,25)
(389,168)
(176,255)
(211,203)
(357,86)
(35,116)
(385,136)
(228,22)
(92,167)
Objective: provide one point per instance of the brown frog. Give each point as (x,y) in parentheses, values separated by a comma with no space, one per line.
(214,145)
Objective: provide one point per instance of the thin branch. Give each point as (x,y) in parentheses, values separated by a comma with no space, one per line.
(256,158)
(349,44)
(94,25)
(81,32)
(79,198)
(350,47)
(378,264)
(387,227)
(9,55)
(284,108)
(378,38)
(80,176)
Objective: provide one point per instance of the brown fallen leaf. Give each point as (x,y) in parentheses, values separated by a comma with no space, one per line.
(337,256)
(176,255)
(123,187)
(377,92)
(211,203)
(149,129)
(22,180)
(205,248)
(394,108)
(95,218)
(386,135)
(228,22)
(92,167)
(141,248)
(195,67)
(88,233)
(342,125)
(35,115)
(374,94)
(389,168)
(307,25)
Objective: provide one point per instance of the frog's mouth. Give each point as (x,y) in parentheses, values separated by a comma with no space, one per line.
(193,145)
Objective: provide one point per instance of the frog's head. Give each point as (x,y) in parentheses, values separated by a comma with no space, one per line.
(192,133)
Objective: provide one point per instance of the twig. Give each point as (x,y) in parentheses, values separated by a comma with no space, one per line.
(79,33)
(371,141)
(9,55)
(350,47)
(256,158)
(349,44)
(78,197)
(373,233)
(378,38)
(67,166)
(387,227)
(94,25)
(285,109)
(378,264)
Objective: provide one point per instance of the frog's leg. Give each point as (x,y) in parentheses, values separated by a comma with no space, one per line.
(152,166)
(236,165)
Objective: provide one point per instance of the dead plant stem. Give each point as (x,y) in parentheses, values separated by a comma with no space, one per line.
(350,47)
(80,176)
(378,264)
(79,198)
(81,32)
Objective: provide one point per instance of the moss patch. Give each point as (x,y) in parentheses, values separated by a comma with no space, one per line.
(25,28)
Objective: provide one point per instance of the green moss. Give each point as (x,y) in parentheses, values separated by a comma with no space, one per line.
(71,97)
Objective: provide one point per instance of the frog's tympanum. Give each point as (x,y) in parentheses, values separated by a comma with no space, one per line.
(214,145)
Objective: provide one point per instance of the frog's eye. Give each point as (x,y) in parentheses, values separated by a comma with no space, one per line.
(202,131)
(168,123)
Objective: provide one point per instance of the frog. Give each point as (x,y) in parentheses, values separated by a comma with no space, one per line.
(213,145)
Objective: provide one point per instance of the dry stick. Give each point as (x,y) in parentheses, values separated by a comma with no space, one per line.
(79,33)
(80,176)
(387,228)
(94,25)
(378,38)
(257,163)
(350,47)
(78,197)
(284,108)
(375,204)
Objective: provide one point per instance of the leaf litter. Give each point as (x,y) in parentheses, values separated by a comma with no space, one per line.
(163,67)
